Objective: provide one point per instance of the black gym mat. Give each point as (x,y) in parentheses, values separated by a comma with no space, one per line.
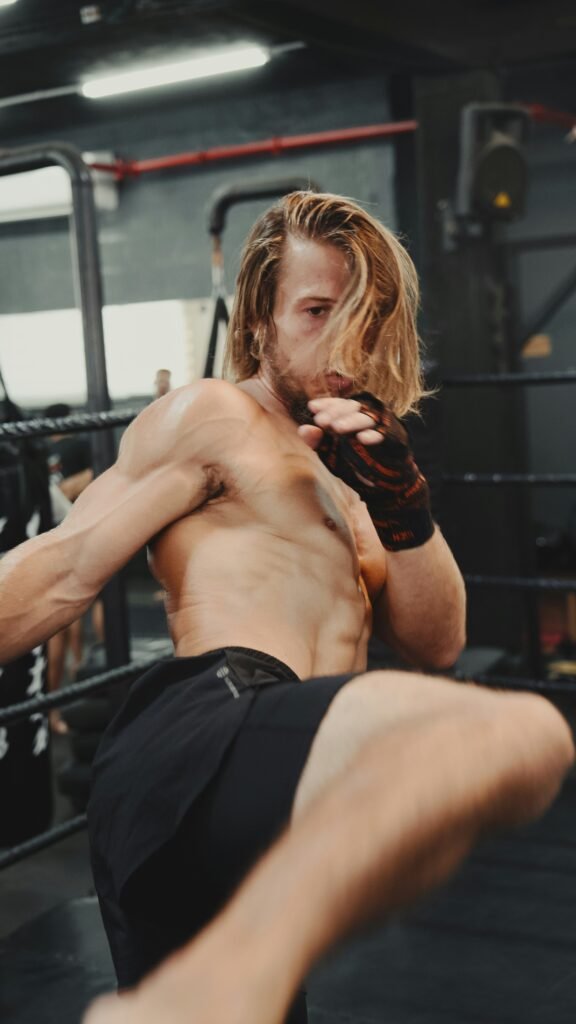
(52,967)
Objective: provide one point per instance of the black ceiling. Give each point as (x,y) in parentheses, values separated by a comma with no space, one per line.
(46,44)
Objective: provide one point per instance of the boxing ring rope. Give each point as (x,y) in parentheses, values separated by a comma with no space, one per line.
(546,687)
(44,703)
(509,379)
(521,583)
(45,426)
(496,479)
(43,841)
(61,698)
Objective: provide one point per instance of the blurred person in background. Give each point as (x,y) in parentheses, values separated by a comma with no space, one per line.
(162,383)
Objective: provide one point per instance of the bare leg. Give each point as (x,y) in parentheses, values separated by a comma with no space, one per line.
(376,705)
(98,620)
(378,820)
(56,656)
(57,647)
(76,630)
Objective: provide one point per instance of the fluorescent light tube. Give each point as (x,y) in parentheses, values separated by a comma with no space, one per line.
(6,3)
(236,59)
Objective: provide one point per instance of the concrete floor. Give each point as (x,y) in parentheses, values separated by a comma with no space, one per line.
(49,878)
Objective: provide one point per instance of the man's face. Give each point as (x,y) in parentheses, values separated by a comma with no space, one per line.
(311,280)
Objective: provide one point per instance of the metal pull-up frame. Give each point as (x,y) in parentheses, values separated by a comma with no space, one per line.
(89,298)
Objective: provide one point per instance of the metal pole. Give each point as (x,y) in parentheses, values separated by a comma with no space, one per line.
(88,284)
(248,191)
(524,505)
(88,281)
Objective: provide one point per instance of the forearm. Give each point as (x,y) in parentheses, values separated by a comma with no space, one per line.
(36,595)
(421,611)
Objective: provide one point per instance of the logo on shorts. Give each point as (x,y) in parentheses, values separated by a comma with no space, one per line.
(223,673)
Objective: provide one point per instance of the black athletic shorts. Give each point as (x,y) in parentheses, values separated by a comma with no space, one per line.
(193,780)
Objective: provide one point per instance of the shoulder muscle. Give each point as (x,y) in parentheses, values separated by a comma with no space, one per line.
(171,460)
(201,424)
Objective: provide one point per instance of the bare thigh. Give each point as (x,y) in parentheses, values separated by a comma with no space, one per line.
(377,704)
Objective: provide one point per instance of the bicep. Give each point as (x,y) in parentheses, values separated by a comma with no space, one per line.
(119,512)
(371,554)
(170,462)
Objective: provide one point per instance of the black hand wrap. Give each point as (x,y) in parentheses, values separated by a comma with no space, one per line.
(385,476)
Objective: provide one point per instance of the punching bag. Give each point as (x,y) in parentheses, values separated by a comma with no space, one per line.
(25,769)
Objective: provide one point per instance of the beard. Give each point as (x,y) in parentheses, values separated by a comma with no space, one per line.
(299,410)
(288,389)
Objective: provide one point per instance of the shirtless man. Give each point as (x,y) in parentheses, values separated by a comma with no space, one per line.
(286,519)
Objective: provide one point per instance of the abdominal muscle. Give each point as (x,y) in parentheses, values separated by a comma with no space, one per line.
(295,593)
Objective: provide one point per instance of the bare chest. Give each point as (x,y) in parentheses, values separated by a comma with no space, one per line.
(288,488)
(278,504)
(293,486)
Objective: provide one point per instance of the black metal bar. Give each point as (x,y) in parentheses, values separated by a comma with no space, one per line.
(530,599)
(88,282)
(243,191)
(496,479)
(220,316)
(43,841)
(86,256)
(509,379)
(540,583)
(86,266)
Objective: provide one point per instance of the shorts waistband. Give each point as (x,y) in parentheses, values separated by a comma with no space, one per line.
(249,668)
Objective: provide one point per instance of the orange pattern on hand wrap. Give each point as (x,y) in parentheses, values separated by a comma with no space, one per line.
(385,476)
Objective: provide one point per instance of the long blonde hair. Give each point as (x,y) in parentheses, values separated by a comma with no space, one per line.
(373,332)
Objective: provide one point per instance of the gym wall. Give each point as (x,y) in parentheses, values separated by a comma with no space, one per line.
(156,245)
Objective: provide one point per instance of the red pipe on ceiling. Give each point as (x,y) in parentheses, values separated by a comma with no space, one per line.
(284,144)
(132,168)
(548,116)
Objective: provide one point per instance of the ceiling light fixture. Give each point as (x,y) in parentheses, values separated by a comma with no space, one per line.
(218,63)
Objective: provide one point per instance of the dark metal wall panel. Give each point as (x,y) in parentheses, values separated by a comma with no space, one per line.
(551,412)
(482,430)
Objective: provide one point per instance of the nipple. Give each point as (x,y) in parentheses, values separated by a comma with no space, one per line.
(330,523)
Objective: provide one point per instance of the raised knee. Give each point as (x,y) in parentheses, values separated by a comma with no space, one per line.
(545,731)
(528,732)
(533,747)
